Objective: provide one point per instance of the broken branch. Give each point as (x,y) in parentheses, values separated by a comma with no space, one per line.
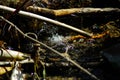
(63,12)
(46,19)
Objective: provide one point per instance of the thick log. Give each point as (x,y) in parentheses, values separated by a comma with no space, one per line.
(63,12)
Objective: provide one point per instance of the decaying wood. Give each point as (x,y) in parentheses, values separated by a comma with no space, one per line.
(55,51)
(62,12)
(46,19)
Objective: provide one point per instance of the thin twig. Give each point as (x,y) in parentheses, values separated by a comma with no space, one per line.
(46,19)
(62,55)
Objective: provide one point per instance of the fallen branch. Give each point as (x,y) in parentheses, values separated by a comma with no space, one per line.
(6,54)
(62,12)
(46,19)
(62,55)
(4,63)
